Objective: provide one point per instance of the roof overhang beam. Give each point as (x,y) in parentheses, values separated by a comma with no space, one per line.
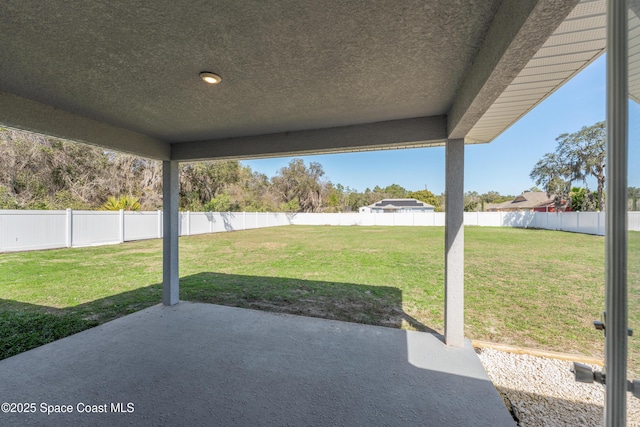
(25,114)
(405,133)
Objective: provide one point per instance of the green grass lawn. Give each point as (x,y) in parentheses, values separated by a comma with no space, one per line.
(533,288)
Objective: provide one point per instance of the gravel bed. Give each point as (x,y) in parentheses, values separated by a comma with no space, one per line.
(543,392)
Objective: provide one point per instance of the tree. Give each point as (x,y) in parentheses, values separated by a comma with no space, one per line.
(634,195)
(471,201)
(254,192)
(577,156)
(582,200)
(356,200)
(38,172)
(334,197)
(549,172)
(221,203)
(585,153)
(299,184)
(395,191)
(494,197)
(203,181)
(425,196)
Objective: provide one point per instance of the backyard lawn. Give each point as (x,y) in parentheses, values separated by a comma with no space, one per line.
(533,288)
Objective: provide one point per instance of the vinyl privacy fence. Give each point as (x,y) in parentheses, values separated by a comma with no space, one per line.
(31,230)
(578,222)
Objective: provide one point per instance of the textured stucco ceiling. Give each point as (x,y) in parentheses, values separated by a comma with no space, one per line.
(125,74)
(286,65)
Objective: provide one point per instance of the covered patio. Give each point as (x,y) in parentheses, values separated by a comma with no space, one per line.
(203,364)
(285,78)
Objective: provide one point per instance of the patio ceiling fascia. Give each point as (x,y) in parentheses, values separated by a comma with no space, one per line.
(393,134)
(33,116)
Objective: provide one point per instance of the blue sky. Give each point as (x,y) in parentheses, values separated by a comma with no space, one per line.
(502,165)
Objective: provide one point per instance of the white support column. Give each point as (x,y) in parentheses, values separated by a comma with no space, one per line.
(170,219)
(454,245)
(615,352)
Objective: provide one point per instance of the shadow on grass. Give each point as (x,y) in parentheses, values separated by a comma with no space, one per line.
(25,326)
(372,305)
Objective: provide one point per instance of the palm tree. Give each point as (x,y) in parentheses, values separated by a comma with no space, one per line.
(127,203)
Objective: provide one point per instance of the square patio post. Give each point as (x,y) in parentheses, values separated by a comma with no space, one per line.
(170,218)
(454,244)
(616,287)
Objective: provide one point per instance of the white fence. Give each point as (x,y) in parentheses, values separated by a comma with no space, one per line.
(29,230)
(578,222)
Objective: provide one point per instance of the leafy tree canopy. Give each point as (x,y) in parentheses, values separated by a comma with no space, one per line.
(577,156)
(425,196)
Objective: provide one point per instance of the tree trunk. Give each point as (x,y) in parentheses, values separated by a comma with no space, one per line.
(601,178)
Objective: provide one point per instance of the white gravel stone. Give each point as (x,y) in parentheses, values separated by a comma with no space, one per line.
(543,392)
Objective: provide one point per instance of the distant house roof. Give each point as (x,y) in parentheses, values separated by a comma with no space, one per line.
(400,203)
(526,200)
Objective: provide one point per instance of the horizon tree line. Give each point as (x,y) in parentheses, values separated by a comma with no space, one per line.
(38,172)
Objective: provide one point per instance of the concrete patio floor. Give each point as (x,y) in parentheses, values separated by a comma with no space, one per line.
(200,364)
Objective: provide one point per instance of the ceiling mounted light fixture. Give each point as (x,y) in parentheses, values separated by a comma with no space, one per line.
(210,78)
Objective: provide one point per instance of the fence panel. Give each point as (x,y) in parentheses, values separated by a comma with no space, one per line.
(199,222)
(383,219)
(183,224)
(30,230)
(142,225)
(570,221)
(306,219)
(406,219)
(489,219)
(251,220)
(91,228)
(349,219)
(633,221)
(283,218)
(540,220)
(554,221)
(470,218)
(233,220)
(367,219)
(589,223)
(260,219)
(425,219)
